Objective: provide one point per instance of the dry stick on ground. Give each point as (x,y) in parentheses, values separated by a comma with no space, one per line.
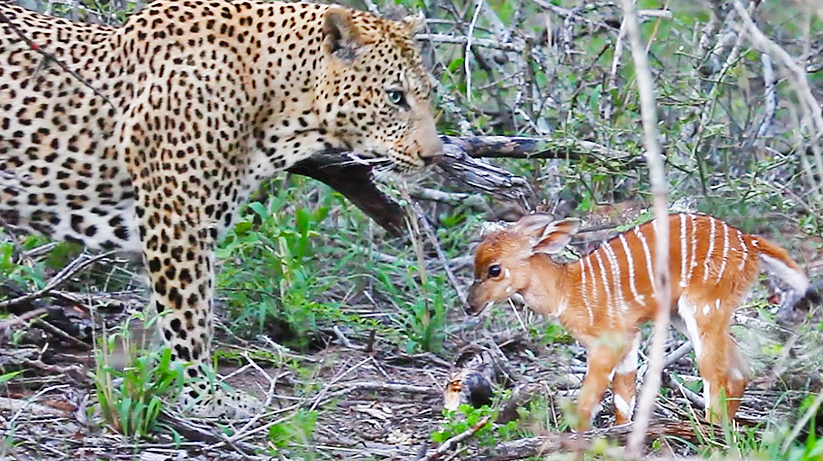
(449,444)
(193,431)
(78,264)
(74,267)
(18,319)
(657,177)
(553,443)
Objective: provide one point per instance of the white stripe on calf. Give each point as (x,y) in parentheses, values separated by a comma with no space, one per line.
(583,271)
(605,278)
(694,246)
(616,277)
(648,256)
(630,259)
(744,248)
(709,253)
(725,250)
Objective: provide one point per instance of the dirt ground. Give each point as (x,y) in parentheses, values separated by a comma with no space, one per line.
(369,404)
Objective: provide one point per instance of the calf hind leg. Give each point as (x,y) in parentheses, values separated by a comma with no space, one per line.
(723,368)
(737,378)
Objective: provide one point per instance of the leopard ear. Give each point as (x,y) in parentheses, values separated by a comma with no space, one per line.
(342,37)
(416,23)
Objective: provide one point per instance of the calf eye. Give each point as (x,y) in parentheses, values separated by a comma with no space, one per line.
(494,270)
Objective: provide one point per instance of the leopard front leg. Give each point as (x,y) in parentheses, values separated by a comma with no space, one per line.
(179,257)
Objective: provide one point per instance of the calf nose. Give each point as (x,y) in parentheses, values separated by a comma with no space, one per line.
(472,306)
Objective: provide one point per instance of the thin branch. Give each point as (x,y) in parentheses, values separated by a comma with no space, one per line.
(449,444)
(77,265)
(657,177)
(50,57)
(770,96)
(426,227)
(760,41)
(810,107)
(611,88)
(462,40)
(670,358)
(467,60)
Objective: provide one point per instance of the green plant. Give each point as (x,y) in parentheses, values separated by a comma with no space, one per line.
(468,418)
(131,398)
(423,317)
(295,434)
(22,275)
(270,270)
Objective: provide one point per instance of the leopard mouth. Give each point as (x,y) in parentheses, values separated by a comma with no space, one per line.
(381,163)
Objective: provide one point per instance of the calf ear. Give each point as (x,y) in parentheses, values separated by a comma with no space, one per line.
(342,37)
(556,236)
(533,224)
(416,23)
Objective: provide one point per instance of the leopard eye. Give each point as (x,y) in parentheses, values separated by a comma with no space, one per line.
(494,270)
(396,97)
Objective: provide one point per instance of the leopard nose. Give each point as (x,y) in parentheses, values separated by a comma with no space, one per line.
(431,147)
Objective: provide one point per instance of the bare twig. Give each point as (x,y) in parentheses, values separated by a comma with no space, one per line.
(608,102)
(669,359)
(78,264)
(810,105)
(527,147)
(462,40)
(50,57)
(770,95)
(426,227)
(449,444)
(18,319)
(390,387)
(692,397)
(345,341)
(657,176)
(467,60)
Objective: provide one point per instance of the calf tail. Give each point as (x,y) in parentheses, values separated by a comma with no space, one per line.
(777,261)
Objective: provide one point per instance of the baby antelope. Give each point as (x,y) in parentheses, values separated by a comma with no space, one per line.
(603,298)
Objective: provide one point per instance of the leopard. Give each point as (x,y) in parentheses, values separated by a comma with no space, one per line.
(148,137)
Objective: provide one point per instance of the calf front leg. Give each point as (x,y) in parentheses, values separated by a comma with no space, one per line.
(601,361)
(624,384)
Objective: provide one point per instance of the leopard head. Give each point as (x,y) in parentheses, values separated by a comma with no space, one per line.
(376,92)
